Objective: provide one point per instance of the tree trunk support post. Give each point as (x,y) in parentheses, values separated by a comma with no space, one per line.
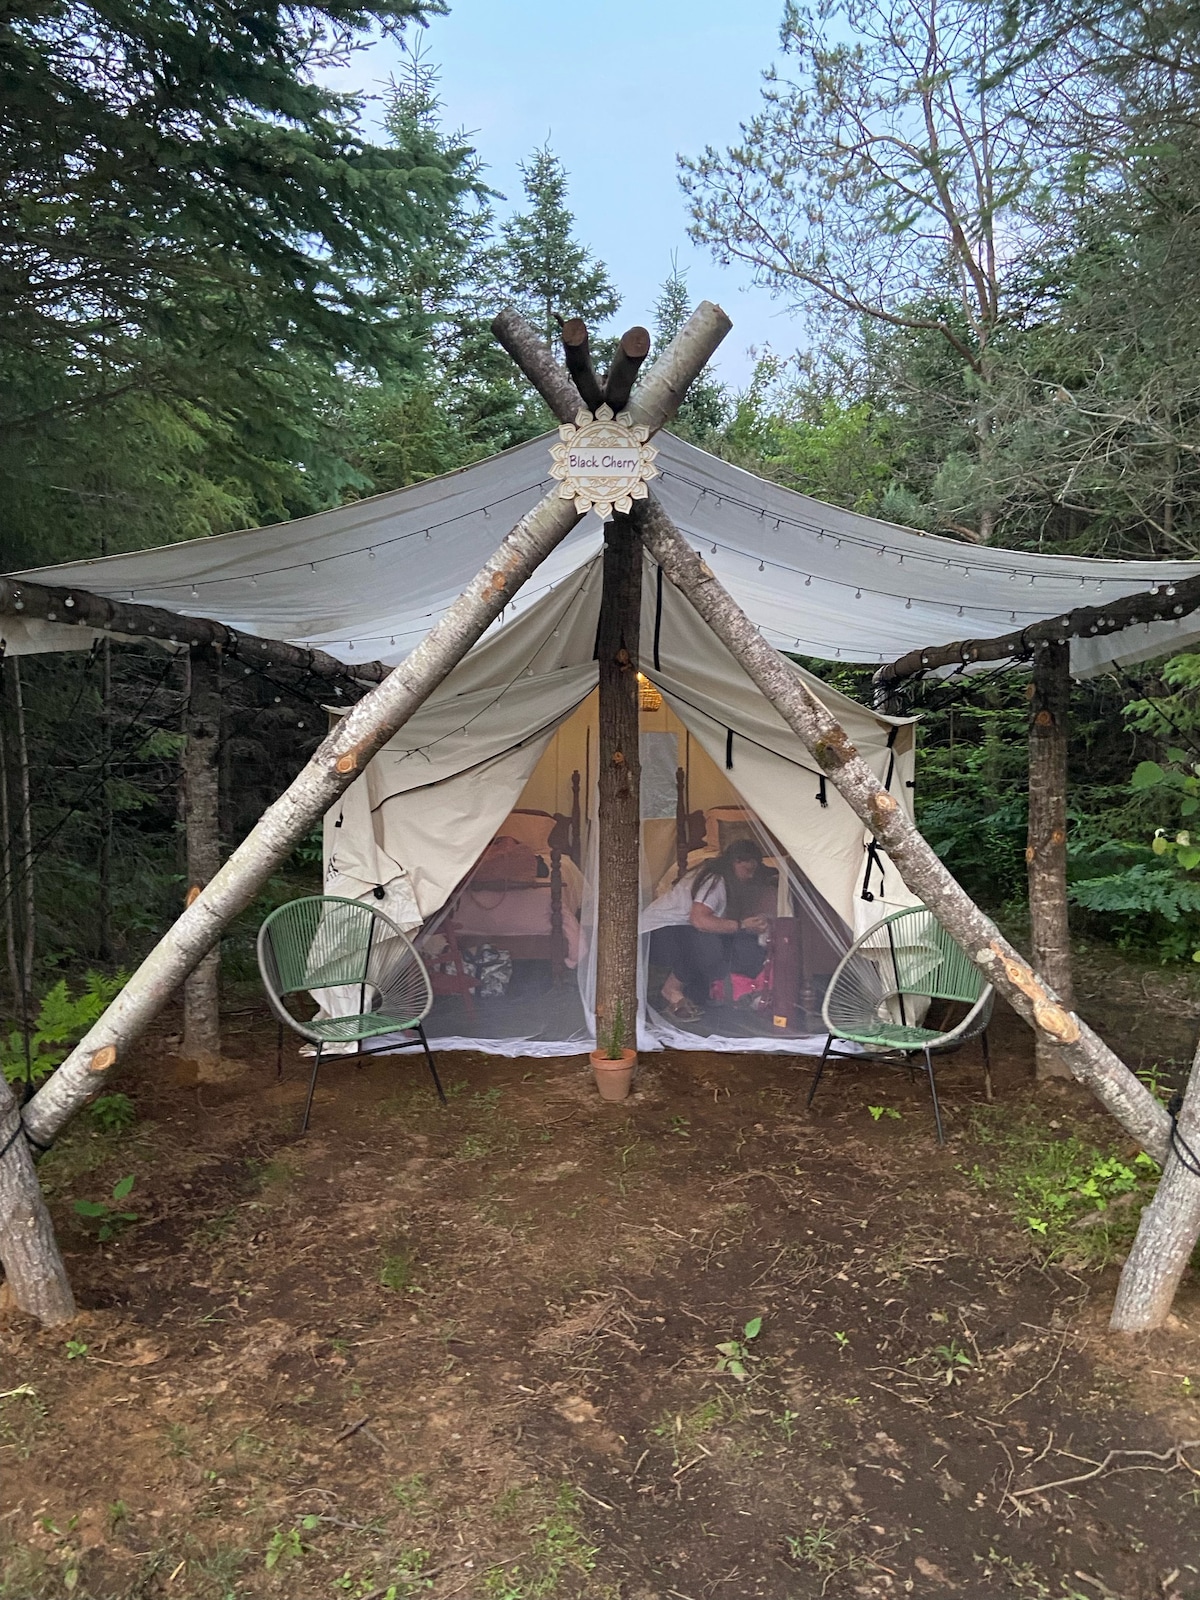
(617,896)
(201,810)
(1046,849)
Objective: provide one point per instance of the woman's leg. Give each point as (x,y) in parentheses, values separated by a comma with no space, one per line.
(663,953)
(700,959)
(747,956)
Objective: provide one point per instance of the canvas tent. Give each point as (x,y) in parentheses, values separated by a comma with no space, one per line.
(490,759)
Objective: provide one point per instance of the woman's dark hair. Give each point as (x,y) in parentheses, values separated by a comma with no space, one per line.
(722,867)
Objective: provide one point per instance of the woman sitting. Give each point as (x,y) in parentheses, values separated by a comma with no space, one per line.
(706,927)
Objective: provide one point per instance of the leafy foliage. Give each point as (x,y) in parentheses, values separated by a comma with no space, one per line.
(62,1019)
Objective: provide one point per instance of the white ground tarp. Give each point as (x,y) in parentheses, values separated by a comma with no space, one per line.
(366,581)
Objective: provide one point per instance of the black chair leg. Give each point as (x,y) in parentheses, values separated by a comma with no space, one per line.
(312,1085)
(812,1088)
(937,1110)
(987,1067)
(437,1082)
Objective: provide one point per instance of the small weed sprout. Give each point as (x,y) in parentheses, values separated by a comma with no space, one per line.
(288,1545)
(112,1220)
(884,1111)
(735,1353)
(952,1358)
(843,1342)
(113,1113)
(76,1349)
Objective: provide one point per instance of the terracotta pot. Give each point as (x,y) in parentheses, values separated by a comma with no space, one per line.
(613,1077)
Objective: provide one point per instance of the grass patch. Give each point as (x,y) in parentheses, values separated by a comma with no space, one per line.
(398,1270)
(558,1548)
(1075,1200)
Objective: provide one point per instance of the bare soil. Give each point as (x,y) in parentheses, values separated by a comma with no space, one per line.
(473,1351)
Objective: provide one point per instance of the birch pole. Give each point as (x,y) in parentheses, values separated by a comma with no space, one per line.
(202,833)
(1168,1229)
(1046,846)
(333,767)
(1087,1056)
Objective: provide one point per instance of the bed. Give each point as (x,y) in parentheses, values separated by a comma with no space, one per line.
(523,895)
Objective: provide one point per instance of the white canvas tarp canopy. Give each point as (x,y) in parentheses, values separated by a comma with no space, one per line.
(366,581)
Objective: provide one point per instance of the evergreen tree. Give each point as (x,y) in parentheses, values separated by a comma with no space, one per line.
(542,268)
(706,408)
(190,222)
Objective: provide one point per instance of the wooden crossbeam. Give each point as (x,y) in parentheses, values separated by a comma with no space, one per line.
(1164,603)
(84,609)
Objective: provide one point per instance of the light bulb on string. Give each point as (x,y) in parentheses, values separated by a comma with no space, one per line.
(776,524)
(762,566)
(808,581)
(908,605)
(370,555)
(858,594)
(713,551)
(195,593)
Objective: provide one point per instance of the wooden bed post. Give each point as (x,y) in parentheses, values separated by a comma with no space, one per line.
(619,773)
(201,787)
(1046,848)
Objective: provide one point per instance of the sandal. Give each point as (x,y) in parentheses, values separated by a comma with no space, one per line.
(683,1010)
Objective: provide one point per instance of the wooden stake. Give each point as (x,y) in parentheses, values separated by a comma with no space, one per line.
(578,356)
(631,352)
(201,992)
(1046,850)
(618,897)
(1089,1058)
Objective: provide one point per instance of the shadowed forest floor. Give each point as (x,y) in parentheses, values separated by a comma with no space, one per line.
(474,1350)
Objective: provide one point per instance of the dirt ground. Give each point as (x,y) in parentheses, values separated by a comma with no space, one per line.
(474,1350)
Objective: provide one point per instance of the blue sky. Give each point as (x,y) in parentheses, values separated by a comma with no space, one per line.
(619,91)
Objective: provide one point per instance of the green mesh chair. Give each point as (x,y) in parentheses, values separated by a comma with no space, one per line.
(346,953)
(889,983)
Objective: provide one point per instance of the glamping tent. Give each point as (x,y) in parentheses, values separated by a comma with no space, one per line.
(474,826)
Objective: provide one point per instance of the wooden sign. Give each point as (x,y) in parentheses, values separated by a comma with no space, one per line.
(603,462)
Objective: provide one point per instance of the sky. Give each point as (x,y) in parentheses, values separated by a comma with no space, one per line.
(619,92)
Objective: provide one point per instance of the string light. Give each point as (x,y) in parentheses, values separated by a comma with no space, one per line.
(713,551)
(808,581)
(195,593)
(762,566)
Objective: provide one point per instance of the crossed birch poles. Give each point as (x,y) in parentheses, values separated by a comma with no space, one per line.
(36,1278)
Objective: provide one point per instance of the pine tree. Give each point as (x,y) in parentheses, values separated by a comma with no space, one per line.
(706,408)
(543,269)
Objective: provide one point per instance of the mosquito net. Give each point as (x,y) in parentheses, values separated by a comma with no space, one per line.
(512,952)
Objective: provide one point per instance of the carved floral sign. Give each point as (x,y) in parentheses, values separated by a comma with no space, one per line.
(603,462)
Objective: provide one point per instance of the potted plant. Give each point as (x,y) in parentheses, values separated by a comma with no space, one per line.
(612,1063)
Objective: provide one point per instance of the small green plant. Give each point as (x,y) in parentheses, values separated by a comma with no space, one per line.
(952,1358)
(1077,1200)
(113,1113)
(557,1548)
(287,1544)
(735,1353)
(843,1342)
(614,1037)
(61,1020)
(815,1547)
(76,1350)
(786,1423)
(884,1111)
(112,1220)
(411,1492)
(397,1270)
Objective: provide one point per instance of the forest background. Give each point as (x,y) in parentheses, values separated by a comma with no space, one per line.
(223,303)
